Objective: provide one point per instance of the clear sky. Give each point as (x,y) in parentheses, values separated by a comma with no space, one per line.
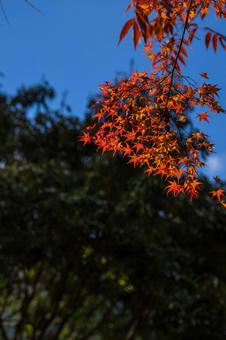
(74,46)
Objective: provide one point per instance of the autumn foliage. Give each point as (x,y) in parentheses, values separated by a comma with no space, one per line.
(146,117)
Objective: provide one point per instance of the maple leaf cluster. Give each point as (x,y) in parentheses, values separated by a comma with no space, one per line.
(145,117)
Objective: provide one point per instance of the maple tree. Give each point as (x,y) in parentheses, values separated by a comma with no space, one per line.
(145,116)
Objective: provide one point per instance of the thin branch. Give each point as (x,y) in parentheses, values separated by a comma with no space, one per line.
(3,331)
(34,7)
(4,12)
(178,53)
(26,303)
(215,32)
(55,309)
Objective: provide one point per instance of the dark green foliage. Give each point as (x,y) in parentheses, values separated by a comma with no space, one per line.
(91,248)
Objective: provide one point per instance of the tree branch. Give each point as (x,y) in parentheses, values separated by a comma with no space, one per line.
(177,56)
(3,331)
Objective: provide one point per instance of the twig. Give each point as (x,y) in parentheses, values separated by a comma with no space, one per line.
(4,12)
(34,7)
(178,53)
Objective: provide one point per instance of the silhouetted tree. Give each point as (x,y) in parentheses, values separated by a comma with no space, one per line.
(90,249)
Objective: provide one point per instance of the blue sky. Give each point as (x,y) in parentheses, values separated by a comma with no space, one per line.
(74,46)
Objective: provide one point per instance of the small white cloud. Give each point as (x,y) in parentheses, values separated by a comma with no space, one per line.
(214,164)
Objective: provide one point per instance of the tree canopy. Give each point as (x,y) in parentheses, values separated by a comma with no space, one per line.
(92,249)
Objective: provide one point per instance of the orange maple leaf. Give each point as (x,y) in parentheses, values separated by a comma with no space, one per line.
(174,187)
(85,138)
(219,194)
